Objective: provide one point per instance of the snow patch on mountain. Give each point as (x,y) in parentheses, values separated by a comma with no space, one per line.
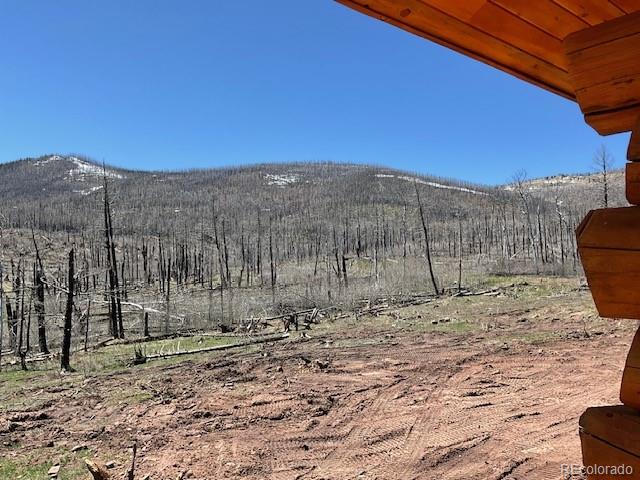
(281,180)
(559,181)
(85,169)
(431,184)
(81,168)
(44,161)
(88,191)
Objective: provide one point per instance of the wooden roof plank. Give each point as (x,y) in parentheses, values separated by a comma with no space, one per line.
(629,6)
(461,10)
(546,15)
(500,23)
(591,11)
(429,22)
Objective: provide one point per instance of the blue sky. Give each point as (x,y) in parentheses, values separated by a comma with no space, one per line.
(159,84)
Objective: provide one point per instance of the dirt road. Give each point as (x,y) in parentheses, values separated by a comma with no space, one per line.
(375,402)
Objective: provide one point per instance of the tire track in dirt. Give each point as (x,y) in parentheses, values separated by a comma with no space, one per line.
(435,407)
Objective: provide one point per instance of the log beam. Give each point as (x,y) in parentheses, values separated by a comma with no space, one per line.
(605,73)
(610,438)
(632,182)
(630,388)
(633,151)
(632,169)
(609,246)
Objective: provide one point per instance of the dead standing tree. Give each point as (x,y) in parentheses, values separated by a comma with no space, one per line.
(519,180)
(115,307)
(39,282)
(460,252)
(22,353)
(427,246)
(223,280)
(272,263)
(66,336)
(603,162)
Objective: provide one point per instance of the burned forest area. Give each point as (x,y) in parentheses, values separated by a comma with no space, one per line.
(295,321)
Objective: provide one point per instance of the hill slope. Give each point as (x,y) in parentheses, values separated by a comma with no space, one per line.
(52,184)
(313,210)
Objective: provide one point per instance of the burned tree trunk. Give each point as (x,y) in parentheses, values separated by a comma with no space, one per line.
(427,246)
(116,325)
(22,353)
(168,298)
(459,253)
(272,264)
(66,336)
(146,324)
(39,282)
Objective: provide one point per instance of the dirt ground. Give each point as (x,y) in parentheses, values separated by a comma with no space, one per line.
(486,387)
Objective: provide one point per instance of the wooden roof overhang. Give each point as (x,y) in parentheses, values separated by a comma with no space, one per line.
(584,50)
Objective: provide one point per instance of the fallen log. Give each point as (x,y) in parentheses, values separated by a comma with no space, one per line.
(265,339)
(491,291)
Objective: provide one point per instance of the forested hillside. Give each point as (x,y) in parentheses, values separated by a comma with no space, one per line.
(217,247)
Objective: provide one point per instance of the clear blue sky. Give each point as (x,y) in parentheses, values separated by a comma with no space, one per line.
(159,84)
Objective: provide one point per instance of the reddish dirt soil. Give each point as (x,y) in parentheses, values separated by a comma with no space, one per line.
(368,404)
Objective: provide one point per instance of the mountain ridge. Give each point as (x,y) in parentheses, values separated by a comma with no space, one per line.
(64,192)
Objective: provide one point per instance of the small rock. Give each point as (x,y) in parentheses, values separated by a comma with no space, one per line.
(53,471)
(110,464)
(322,364)
(78,448)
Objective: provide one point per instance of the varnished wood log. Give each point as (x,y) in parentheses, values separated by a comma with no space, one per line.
(633,151)
(632,183)
(605,73)
(610,438)
(630,388)
(609,246)
(601,457)
(613,121)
